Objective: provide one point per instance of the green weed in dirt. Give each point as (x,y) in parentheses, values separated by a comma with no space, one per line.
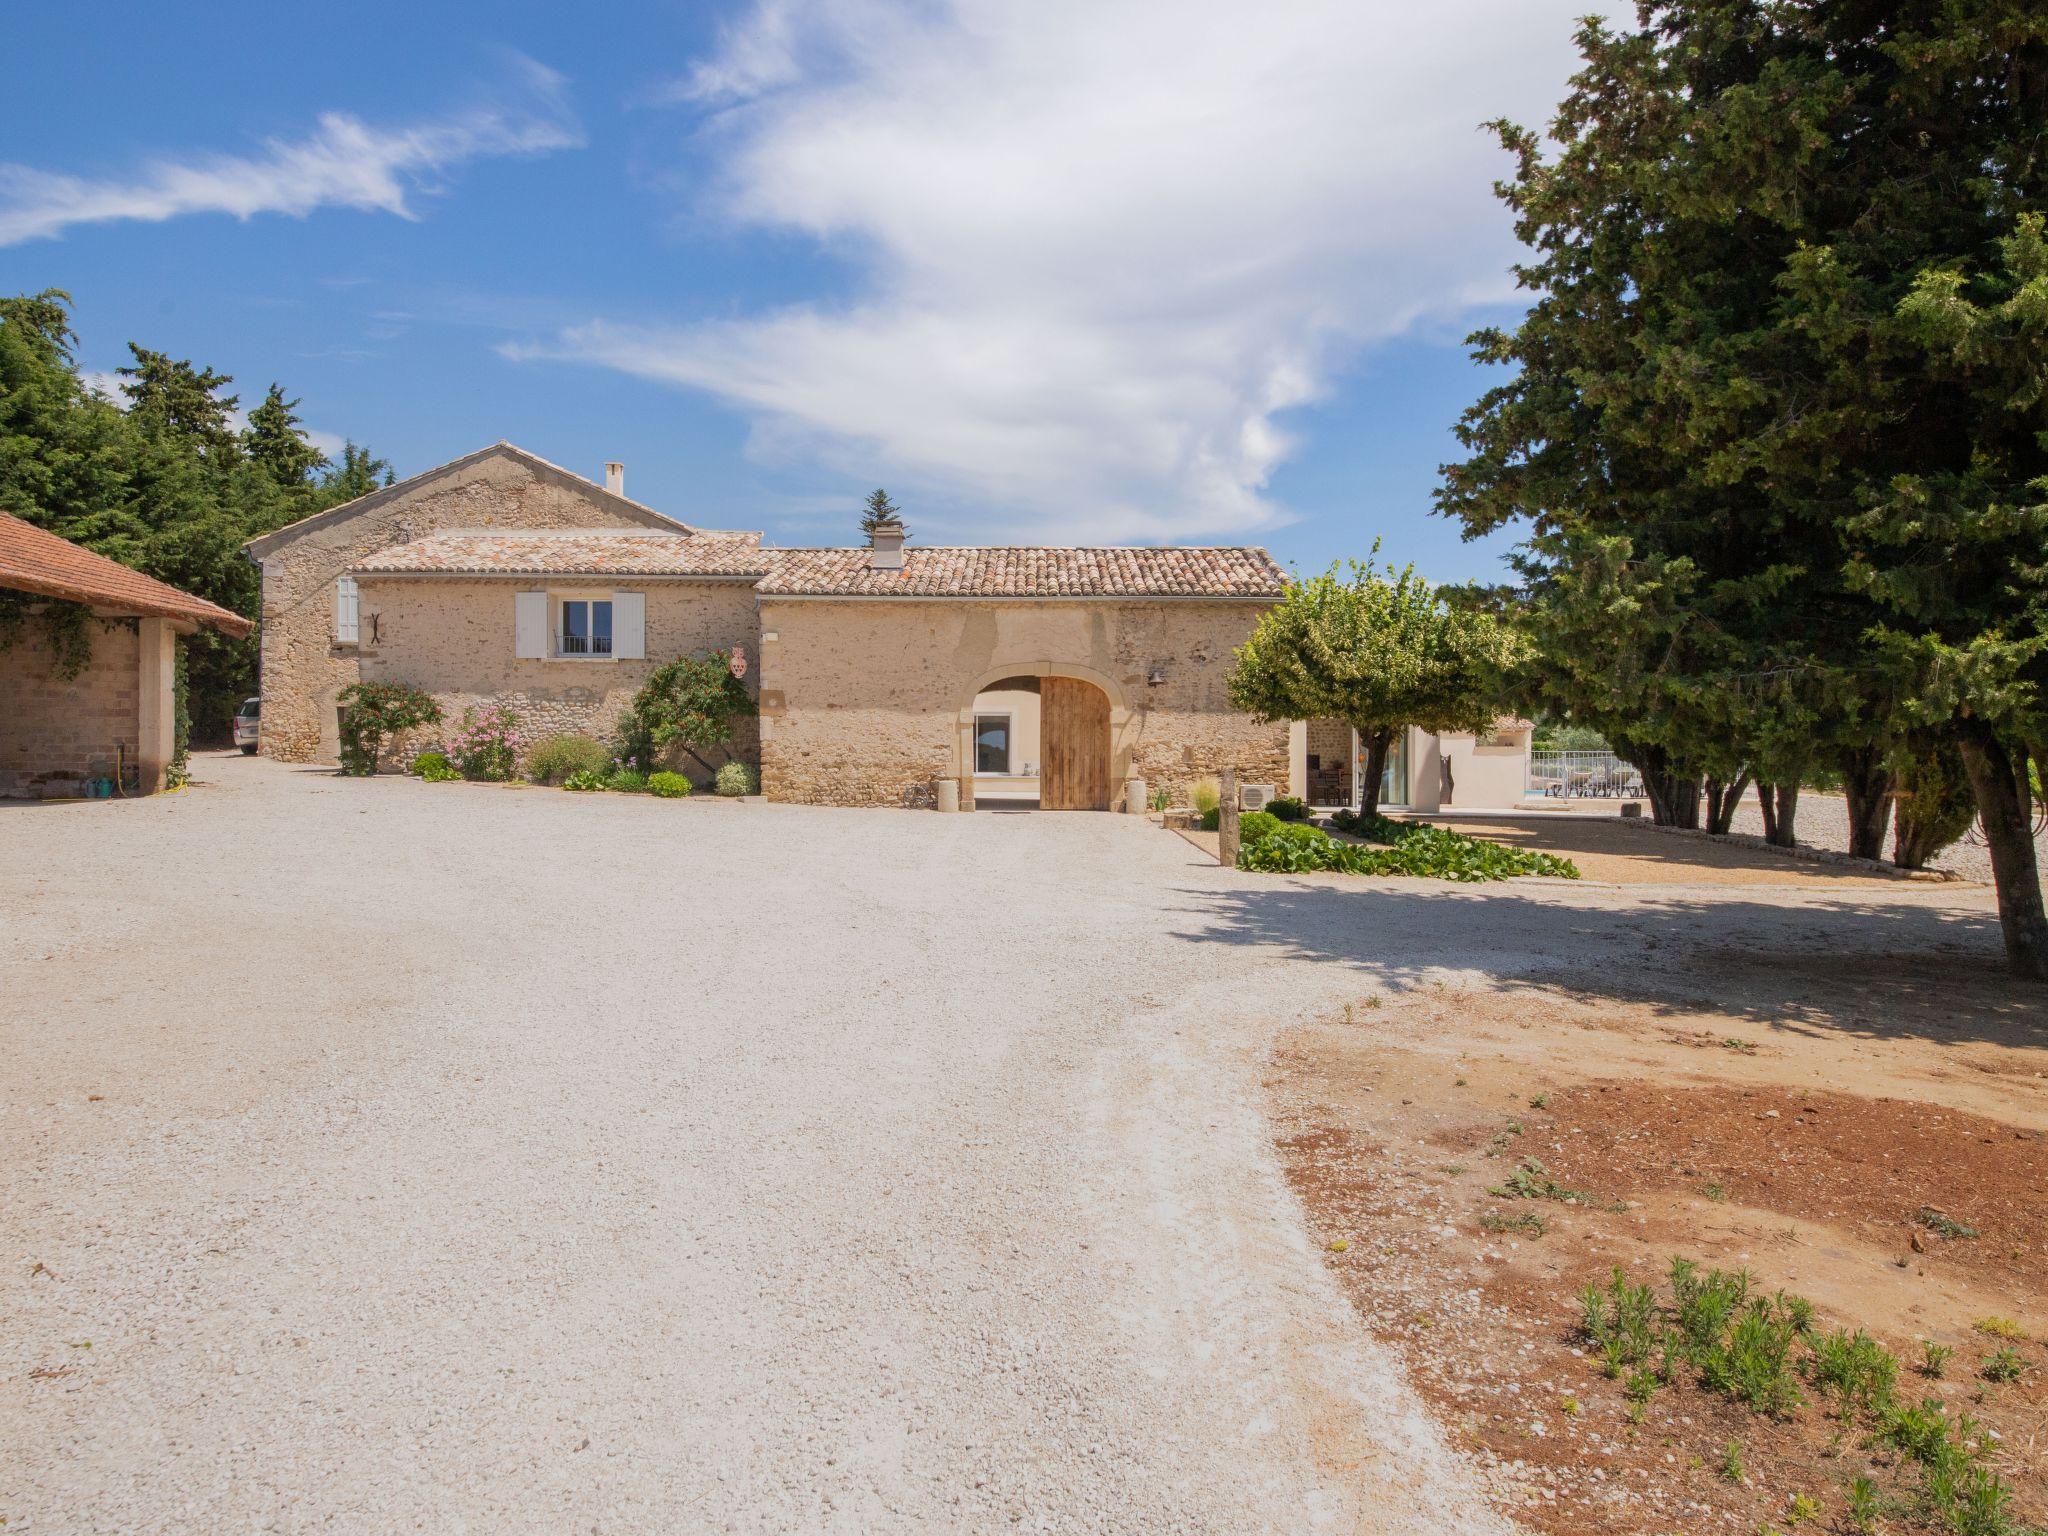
(1943,1225)
(2005,1364)
(1532,1181)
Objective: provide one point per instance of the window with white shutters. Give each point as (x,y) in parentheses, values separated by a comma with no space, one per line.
(346,611)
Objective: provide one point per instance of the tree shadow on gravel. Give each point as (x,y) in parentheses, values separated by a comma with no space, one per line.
(1881,968)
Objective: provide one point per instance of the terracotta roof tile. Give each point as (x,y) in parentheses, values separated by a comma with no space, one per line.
(581,553)
(1029,571)
(33,560)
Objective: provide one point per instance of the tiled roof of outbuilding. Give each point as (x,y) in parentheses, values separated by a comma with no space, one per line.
(37,561)
(580,553)
(1029,571)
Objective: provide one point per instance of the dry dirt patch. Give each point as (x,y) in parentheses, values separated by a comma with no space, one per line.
(1608,849)
(1773,1119)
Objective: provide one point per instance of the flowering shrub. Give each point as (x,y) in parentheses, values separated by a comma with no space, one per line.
(488,745)
(670,786)
(735,779)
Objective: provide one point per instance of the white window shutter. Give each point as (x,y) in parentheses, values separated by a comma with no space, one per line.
(530,625)
(629,625)
(347,610)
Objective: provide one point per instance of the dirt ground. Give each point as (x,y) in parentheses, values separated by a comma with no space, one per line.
(1768,1111)
(1618,852)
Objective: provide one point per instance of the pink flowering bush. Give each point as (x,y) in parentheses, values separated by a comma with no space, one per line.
(489,743)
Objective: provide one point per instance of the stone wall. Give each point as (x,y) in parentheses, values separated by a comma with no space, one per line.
(865,703)
(453,637)
(56,732)
(303,668)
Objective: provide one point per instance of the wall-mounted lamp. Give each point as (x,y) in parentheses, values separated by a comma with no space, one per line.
(1156,675)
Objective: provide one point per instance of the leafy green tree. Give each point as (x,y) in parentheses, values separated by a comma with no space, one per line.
(372,713)
(1779,400)
(693,705)
(274,440)
(878,511)
(165,486)
(359,473)
(170,395)
(1378,650)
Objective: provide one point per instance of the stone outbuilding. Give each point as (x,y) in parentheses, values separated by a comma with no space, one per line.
(95,704)
(1045,676)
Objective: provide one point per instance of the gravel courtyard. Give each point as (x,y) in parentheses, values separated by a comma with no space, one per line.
(393,1157)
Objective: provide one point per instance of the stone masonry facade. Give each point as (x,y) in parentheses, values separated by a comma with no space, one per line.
(61,731)
(863,701)
(453,638)
(303,667)
(865,662)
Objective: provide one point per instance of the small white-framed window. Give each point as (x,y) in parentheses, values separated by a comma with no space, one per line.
(584,627)
(992,744)
(347,611)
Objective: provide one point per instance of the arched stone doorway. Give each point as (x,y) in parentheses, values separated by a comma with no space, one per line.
(1043,734)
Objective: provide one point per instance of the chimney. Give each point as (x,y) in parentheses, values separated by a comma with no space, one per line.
(885,547)
(615,477)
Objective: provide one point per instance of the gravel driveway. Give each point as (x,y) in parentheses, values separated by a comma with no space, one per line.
(383,1156)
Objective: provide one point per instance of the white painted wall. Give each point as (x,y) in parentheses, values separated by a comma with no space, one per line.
(1022,706)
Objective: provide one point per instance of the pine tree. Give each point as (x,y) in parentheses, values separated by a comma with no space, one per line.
(274,441)
(170,395)
(879,511)
(359,473)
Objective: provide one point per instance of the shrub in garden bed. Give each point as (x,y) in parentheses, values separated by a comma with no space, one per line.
(1416,849)
(1288,808)
(736,779)
(435,768)
(626,781)
(670,786)
(586,779)
(553,759)
(373,712)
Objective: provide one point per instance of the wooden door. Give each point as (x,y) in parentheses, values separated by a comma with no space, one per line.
(1074,746)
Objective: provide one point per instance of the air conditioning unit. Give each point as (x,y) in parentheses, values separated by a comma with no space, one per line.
(1254,797)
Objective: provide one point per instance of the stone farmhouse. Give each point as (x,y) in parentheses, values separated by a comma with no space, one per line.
(1025,675)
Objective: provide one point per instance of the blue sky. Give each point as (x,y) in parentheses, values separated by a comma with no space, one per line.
(1069,271)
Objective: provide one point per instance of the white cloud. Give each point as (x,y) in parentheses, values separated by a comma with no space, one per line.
(344,162)
(1103,247)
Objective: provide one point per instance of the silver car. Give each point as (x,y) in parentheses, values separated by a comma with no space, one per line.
(245,725)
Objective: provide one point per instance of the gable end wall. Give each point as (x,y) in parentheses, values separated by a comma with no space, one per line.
(303,669)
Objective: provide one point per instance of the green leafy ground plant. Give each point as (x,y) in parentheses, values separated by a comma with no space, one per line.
(1415,849)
